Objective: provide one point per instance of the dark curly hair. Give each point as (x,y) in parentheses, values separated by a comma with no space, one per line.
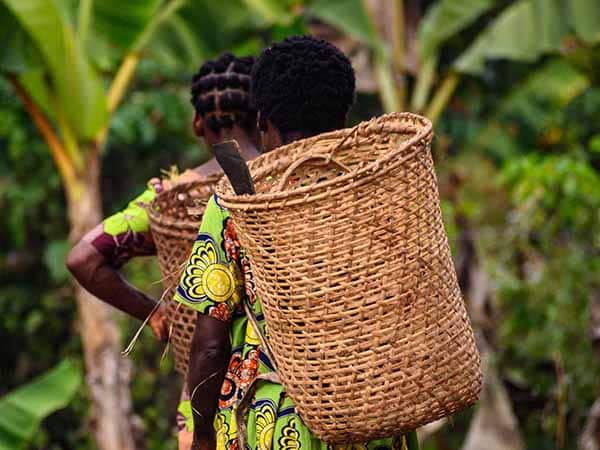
(220,92)
(303,84)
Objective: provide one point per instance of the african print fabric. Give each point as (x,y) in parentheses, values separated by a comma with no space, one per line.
(216,280)
(126,234)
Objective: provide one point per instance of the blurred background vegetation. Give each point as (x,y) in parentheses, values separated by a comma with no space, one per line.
(513,87)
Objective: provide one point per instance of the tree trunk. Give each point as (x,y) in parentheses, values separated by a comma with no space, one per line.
(494,425)
(108,374)
(590,438)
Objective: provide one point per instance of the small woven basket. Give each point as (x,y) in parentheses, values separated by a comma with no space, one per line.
(174,231)
(364,314)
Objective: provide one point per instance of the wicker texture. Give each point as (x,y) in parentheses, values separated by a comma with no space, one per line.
(365,317)
(174,232)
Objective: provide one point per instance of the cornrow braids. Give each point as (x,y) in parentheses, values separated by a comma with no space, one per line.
(221,92)
(303,84)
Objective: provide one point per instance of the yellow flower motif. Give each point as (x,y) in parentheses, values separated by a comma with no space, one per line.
(265,427)
(251,337)
(233,424)
(206,277)
(221,429)
(290,437)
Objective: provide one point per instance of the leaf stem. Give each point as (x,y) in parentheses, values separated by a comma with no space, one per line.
(442,96)
(83,20)
(399,51)
(64,164)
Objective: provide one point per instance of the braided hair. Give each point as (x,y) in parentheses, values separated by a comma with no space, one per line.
(303,84)
(220,93)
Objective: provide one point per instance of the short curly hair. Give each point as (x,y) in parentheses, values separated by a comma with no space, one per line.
(221,92)
(303,84)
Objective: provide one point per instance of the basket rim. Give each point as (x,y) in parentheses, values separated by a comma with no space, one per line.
(158,215)
(423,129)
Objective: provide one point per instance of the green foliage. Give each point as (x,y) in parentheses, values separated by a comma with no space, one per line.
(584,17)
(531,107)
(555,194)
(36,305)
(22,410)
(534,209)
(527,29)
(78,88)
(446,18)
(120,23)
(21,54)
(349,16)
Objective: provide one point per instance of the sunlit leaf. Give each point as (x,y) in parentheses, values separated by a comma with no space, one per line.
(522,32)
(121,22)
(272,11)
(584,17)
(22,410)
(347,15)
(34,82)
(445,18)
(78,88)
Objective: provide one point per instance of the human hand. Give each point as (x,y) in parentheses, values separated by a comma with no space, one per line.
(185,439)
(159,323)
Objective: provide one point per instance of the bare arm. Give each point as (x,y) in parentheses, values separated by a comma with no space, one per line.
(209,356)
(97,275)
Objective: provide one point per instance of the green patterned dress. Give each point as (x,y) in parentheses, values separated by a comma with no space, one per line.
(215,281)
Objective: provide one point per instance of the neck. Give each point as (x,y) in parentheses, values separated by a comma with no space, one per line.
(248,149)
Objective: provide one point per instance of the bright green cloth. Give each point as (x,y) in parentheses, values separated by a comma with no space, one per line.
(134,217)
(214,282)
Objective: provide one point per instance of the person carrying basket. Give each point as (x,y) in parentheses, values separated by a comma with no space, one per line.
(301,87)
(222,110)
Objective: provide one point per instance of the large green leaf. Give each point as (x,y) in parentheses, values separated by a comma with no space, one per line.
(122,22)
(18,52)
(522,32)
(446,18)
(584,18)
(22,410)
(34,82)
(349,16)
(195,34)
(272,11)
(77,88)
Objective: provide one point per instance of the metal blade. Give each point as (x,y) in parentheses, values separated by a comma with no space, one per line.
(235,167)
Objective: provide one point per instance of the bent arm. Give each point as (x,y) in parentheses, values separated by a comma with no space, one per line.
(97,275)
(209,356)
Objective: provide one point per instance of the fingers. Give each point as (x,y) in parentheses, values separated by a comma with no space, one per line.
(160,326)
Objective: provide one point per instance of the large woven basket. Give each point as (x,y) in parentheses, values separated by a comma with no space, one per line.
(174,232)
(364,314)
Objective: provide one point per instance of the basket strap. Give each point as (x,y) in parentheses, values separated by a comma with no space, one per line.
(265,346)
(244,406)
(273,377)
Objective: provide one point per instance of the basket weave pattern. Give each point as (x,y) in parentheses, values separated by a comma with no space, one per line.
(352,263)
(174,232)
